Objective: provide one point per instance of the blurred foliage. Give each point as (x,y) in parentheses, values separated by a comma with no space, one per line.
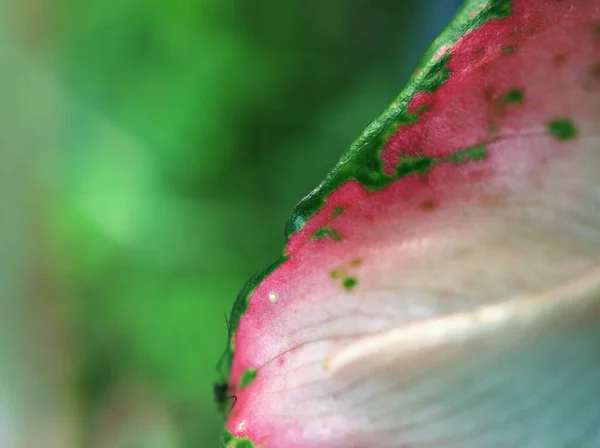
(166,144)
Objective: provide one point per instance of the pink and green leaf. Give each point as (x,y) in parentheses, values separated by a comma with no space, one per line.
(441,287)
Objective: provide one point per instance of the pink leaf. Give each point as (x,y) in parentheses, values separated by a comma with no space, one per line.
(441,288)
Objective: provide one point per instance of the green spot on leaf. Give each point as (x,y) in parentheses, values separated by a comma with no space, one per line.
(428,205)
(342,270)
(419,165)
(475,153)
(244,444)
(324,232)
(509,49)
(422,164)
(230,441)
(350,283)
(513,96)
(562,129)
(337,211)
(247,377)
(423,108)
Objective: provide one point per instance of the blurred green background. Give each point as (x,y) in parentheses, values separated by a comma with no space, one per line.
(150,154)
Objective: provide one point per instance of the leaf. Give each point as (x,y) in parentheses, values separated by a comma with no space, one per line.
(441,287)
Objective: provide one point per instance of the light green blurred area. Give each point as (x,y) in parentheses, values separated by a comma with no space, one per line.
(150,153)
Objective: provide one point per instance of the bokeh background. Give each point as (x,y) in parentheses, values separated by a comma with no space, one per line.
(150,154)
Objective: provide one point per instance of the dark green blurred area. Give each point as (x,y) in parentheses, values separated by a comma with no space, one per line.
(151,153)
